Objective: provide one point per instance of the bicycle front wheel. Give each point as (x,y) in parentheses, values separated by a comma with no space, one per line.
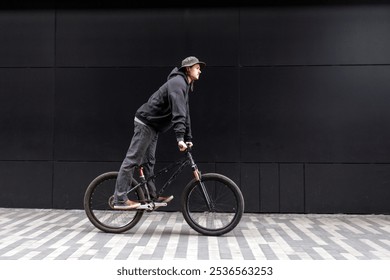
(98,205)
(212,206)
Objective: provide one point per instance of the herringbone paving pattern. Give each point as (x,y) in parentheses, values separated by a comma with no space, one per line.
(67,234)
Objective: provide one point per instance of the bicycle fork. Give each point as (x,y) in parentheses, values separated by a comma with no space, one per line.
(198,177)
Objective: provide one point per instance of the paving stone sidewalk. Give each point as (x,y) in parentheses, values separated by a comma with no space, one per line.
(42,234)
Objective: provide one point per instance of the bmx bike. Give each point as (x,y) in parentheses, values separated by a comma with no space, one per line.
(212,204)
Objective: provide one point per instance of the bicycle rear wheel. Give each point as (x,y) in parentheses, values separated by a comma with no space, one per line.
(225,209)
(98,203)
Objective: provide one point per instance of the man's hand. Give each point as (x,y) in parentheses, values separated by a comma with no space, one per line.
(183,146)
(189,144)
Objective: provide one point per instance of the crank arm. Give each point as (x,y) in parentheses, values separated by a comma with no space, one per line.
(151,206)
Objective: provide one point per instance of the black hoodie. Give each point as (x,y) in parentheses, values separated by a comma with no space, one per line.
(169,107)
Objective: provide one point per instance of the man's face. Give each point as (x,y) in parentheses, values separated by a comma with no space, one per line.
(194,72)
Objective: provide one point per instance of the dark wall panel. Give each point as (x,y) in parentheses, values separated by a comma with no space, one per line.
(26,184)
(250,182)
(269,188)
(27,38)
(315,114)
(119,38)
(26,114)
(215,115)
(231,170)
(103,102)
(214,35)
(71,180)
(145,37)
(95,110)
(347,188)
(292,191)
(315,35)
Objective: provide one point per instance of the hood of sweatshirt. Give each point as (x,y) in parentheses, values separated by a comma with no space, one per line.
(177,72)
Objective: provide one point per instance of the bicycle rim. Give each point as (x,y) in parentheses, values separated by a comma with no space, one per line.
(98,202)
(225,210)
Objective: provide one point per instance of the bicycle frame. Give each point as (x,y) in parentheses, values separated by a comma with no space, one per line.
(187,160)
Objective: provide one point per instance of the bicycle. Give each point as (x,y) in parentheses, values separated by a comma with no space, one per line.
(212,204)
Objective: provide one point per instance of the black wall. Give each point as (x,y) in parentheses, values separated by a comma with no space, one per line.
(294,104)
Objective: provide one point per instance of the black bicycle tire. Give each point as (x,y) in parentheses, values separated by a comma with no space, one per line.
(91,216)
(238,196)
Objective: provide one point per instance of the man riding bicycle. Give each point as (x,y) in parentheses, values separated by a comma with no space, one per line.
(167,108)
